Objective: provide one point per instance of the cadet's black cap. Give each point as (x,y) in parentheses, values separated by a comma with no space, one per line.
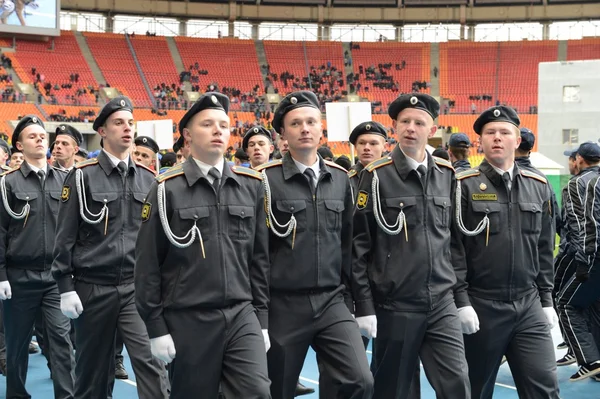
(211,100)
(254,131)
(51,148)
(344,162)
(4,146)
(459,140)
(325,153)
(120,103)
(69,130)
(527,139)
(241,155)
(421,101)
(178,145)
(25,121)
(146,141)
(369,127)
(292,101)
(83,153)
(589,151)
(499,113)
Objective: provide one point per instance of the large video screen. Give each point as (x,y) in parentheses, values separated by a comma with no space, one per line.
(35,17)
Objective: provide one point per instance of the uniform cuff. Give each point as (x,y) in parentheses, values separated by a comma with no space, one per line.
(263,319)
(461,299)
(364,308)
(546,298)
(157,328)
(3,275)
(65,284)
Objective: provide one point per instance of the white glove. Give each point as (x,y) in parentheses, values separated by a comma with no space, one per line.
(5,291)
(468,320)
(70,304)
(266,339)
(163,348)
(367,326)
(550,316)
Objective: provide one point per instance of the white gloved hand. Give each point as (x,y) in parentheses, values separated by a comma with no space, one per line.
(468,320)
(70,304)
(163,348)
(367,326)
(266,339)
(5,290)
(551,316)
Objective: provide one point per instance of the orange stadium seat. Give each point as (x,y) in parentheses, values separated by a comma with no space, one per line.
(585,49)
(155,60)
(12,111)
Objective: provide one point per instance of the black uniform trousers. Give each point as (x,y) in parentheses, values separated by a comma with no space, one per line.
(518,330)
(2,343)
(435,337)
(577,311)
(564,268)
(322,321)
(217,346)
(107,308)
(33,291)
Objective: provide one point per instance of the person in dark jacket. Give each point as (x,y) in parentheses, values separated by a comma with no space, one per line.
(98,221)
(369,140)
(309,212)
(404,277)
(28,217)
(458,148)
(504,213)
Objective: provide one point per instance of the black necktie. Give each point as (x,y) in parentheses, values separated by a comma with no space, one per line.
(507,180)
(42,175)
(216,175)
(122,166)
(310,176)
(422,173)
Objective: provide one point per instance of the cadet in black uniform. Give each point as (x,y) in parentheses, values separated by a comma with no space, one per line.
(402,260)
(98,220)
(202,266)
(258,145)
(458,149)
(369,140)
(505,214)
(28,215)
(145,151)
(580,293)
(309,211)
(4,156)
(66,145)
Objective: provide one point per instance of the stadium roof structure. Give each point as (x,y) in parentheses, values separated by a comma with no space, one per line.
(396,12)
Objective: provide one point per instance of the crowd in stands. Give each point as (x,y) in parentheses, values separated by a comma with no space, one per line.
(84,116)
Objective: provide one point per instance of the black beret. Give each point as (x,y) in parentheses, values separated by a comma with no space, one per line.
(344,162)
(25,121)
(527,139)
(4,146)
(369,127)
(210,100)
(178,145)
(83,153)
(325,152)
(459,140)
(69,130)
(241,155)
(51,147)
(292,101)
(589,151)
(499,113)
(146,141)
(120,103)
(421,101)
(254,131)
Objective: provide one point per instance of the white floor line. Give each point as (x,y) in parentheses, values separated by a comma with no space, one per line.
(309,380)
(129,382)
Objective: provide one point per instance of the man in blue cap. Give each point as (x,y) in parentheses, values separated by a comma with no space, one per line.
(576,300)
(504,213)
(458,148)
(94,259)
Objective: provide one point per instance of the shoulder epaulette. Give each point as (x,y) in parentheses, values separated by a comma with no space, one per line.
(8,172)
(147,168)
(467,173)
(240,170)
(532,175)
(270,164)
(442,162)
(335,165)
(352,173)
(176,170)
(83,164)
(378,163)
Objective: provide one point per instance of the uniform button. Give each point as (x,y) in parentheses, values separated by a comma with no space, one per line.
(402,204)
(243,213)
(195,216)
(487,209)
(291,208)
(444,202)
(27,197)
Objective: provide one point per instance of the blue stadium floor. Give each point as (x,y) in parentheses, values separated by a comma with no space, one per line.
(40,386)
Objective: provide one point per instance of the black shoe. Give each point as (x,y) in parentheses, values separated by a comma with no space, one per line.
(3,366)
(567,359)
(120,372)
(33,348)
(585,371)
(302,390)
(562,345)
